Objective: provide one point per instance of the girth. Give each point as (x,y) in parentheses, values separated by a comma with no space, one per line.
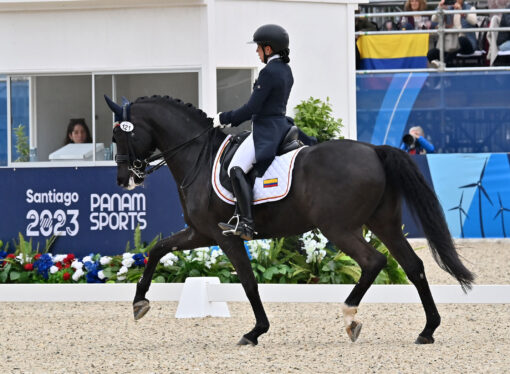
(289,143)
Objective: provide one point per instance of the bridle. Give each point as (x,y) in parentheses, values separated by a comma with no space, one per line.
(137,165)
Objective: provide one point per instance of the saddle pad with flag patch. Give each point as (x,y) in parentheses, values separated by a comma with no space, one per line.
(273,186)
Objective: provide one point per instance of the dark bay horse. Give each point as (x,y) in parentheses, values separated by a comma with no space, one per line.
(338,186)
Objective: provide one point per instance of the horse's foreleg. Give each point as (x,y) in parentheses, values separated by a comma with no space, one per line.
(184,239)
(235,251)
(371,263)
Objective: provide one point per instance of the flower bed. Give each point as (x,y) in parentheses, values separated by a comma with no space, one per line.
(305,259)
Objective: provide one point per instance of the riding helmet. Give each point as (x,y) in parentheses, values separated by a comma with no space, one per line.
(272,35)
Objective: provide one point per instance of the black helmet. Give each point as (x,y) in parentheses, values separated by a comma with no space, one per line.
(272,35)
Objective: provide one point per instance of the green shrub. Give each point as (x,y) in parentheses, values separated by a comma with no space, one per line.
(314,117)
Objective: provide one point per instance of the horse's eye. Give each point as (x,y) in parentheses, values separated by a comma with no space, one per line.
(132,134)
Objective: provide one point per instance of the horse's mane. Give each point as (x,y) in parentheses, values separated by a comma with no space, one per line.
(187,107)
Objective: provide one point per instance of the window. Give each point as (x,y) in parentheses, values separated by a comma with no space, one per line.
(234,88)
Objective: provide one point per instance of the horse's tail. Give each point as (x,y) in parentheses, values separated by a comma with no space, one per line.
(403,175)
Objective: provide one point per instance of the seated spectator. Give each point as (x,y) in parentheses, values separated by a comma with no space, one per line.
(417,22)
(389,25)
(503,40)
(466,41)
(415,143)
(77,132)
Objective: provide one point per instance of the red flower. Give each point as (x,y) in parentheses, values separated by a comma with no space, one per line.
(11,255)
(66,276)
(145,261)
(29,267)
(67,265)
(37,256)
(70,257)
(59,265)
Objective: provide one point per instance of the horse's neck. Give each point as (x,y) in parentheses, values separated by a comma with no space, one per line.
(184,160)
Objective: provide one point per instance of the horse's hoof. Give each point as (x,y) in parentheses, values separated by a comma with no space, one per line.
(353,330)
(246,341)
(140,308)
(424,340)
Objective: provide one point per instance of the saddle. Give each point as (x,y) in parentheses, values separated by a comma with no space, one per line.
(289,143)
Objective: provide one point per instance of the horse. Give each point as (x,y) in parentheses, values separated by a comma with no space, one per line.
(338,186)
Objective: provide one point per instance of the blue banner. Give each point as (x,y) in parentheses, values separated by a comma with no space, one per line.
(85,208)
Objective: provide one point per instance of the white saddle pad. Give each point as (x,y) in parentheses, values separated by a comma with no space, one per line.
(273,186)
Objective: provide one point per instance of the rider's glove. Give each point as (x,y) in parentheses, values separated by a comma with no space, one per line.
(216,121)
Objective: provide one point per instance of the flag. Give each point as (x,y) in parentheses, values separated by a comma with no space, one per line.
(404,51)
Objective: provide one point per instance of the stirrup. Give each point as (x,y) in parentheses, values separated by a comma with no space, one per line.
(241,229)
(228,228)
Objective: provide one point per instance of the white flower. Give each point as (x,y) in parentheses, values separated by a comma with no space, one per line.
(58,258)
(86,259)
(127,255)
(77,274)
(77,265)
(122,270)
(53,269)
(100,274)
(127,262)
(121,278)
(105,260)
(169,259)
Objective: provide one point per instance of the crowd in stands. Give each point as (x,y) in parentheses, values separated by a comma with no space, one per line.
(460,49)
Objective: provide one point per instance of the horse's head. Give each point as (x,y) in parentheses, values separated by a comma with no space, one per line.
(134,144)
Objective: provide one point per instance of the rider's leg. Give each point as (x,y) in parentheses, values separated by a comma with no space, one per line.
(241,164)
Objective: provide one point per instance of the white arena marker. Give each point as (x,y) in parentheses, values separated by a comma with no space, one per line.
(194,301)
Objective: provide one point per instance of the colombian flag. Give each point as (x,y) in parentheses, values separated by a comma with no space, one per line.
(271,182)
(405,51)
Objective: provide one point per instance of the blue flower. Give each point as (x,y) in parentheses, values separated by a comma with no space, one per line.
(43,265)
(92,269)
(139,259)
(2,255)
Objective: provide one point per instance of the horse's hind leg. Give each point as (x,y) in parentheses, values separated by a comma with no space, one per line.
(184,239)
(371,263)
(235,251)
(386,224)
(400,248)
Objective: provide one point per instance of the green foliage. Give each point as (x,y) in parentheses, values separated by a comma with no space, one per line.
(309,258)
(314,117)
(22,147)
(139,245)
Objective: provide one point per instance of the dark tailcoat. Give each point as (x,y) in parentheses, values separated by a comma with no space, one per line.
(266,108)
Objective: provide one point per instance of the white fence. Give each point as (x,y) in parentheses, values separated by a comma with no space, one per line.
(200,297)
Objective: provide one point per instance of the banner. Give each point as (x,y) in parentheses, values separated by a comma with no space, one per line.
(407,51)
(85,208)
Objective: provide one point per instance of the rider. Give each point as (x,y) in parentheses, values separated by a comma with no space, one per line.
(266,108)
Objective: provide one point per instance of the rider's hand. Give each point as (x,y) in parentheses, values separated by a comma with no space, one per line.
(216,121)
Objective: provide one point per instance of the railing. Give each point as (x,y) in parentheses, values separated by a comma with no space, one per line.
(440,31)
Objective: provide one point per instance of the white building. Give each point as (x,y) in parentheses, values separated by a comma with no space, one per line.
(59,57)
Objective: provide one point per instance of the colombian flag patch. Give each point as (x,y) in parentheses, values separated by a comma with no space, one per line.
(271,182)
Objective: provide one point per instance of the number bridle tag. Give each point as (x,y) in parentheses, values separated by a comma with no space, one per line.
(126,126)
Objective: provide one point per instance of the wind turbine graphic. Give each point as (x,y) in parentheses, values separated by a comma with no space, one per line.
(461,211)
(480,190)
(501,211)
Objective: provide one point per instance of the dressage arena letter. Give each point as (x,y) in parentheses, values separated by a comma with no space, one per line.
(117,212)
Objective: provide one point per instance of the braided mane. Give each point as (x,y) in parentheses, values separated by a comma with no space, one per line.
(188,107)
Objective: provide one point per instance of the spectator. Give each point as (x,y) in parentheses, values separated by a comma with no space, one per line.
(417,22)
(77,132)
(415,143)
(389,25)
(464,43)
(503,40)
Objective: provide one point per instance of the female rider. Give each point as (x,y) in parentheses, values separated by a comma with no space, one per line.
(266,108)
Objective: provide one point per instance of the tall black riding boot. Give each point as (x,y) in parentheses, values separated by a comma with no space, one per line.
(241,224)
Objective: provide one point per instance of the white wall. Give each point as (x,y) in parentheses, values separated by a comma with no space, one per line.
(129,35)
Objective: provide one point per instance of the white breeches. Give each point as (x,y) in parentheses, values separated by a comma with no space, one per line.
(244,156)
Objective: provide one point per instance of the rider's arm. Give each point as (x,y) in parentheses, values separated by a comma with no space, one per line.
(261,91)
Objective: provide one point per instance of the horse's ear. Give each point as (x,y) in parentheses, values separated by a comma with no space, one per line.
(117,109)
(124,101)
